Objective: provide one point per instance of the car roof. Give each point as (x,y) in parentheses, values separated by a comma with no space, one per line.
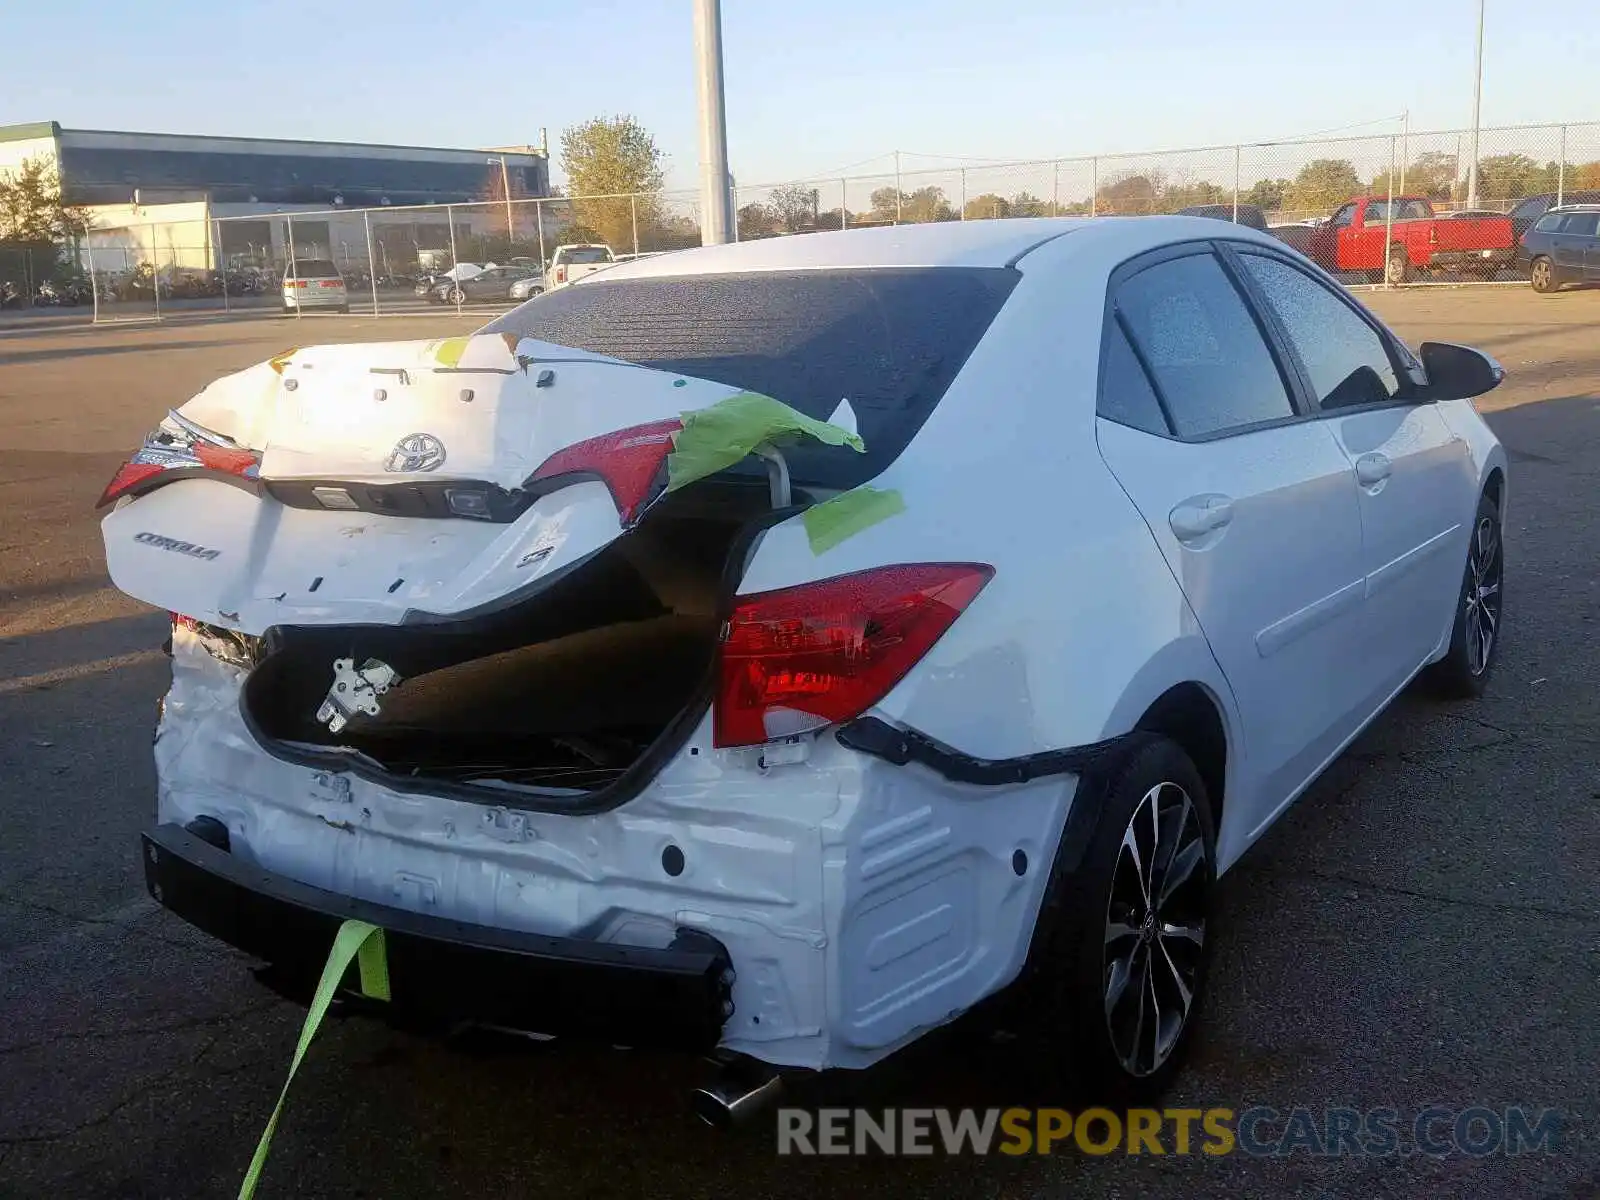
(990,243)
(1584,207)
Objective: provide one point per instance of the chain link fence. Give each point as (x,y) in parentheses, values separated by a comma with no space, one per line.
(493,254)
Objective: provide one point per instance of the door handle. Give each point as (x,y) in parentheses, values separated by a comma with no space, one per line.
(1373,469)
(1194,518)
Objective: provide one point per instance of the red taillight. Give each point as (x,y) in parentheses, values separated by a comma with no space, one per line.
(629,461)
(229,460)
(804,657)
(561,274)
(129,475)
(332,283)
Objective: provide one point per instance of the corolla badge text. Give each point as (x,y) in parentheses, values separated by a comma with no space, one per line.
(416,452)
(177,547)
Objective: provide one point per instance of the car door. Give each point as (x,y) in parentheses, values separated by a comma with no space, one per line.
(1569,242)
(1414,477)
(1581,229)
(1253,506)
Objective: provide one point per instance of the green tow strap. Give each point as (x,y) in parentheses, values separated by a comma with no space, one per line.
(356,939)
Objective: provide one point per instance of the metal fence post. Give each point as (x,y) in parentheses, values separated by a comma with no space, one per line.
(1094,186)
(372,262)
(155,273)
(633,210)
(223,260)
(288,224)
(1388,218)
(963,193)
(1561,168)
(1055,189)
(844,204)
(1238,152)
(455,263)
(538,220)
(94,284)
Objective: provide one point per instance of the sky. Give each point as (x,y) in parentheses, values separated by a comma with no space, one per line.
(814,90)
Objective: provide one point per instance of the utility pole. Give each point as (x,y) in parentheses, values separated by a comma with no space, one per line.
(1477,115)
(716,202)
(505,190)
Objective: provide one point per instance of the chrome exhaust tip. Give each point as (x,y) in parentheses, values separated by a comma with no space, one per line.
(735,1097)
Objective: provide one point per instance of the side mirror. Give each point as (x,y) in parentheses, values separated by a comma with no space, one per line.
(1459,372)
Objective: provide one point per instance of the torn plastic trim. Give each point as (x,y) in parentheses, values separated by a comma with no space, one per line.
(521,797)
(874,736)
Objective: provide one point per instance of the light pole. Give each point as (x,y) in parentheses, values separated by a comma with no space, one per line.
(1477,112)
(505,190)
(716,204)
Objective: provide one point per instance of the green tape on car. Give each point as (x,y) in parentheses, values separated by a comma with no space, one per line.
(355,940)
(715,438)
(847,514)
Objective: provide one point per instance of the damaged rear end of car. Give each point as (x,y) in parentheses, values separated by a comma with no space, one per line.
(527,650)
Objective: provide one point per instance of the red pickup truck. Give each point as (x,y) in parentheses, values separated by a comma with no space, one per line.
(1360,236)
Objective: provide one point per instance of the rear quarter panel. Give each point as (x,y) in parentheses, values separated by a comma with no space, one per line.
(1083,625)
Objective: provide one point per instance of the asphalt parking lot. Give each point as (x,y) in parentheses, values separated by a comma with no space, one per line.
(1423,928)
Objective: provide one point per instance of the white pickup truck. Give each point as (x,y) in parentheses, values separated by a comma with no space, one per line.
(571,263)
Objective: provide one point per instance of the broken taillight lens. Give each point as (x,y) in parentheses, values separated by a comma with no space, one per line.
(804,657)
(628,461)
(179,444)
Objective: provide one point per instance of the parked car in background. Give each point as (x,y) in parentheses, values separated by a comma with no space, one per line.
(529,286)
(1525,215)
(1244,214)
(314,283)
(1563,247)
(489,284)
(1297,234)
(1362,237)
(571,263)
(810,750)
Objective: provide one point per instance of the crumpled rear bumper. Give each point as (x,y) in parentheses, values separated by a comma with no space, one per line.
(450,971)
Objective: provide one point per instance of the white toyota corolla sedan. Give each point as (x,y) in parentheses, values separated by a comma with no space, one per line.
(776,649)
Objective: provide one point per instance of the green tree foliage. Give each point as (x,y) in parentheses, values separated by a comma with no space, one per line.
(1323,184)
(756,221)
(987,207)
(1266,194)
(1507,176)
(924,204)
(794,207)
(613,157)
(1130,193)
(1025,204)
(31,208)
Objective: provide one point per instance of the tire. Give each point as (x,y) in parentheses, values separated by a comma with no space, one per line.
(535,291)
(1087,1041)
(1463,672)
(456,296)
(1397,268)
(1542,275)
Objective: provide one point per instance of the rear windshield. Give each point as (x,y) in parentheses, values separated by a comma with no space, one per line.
(891,340)
(585,254)
(313,268)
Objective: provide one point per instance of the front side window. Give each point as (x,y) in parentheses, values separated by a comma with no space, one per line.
(1346,358)
(1581,224)
(1377,212)
(1203,347)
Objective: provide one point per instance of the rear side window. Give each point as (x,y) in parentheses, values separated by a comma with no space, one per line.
(1126,396)
(890,340)
(1210,362)
(1345,357)
(313,268)
(1549,223)
(1413,210)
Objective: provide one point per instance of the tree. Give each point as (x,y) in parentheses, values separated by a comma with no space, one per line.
(1025,204)
(794,206)
(1266,194)
(1188,195)
(613,157)
(1584,178)
(1130,192)
(1323,184)
(987,206)
(31,208)
(1508,176)
(924,204)
(755,221)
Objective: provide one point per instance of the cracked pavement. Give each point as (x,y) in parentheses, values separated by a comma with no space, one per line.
(1422,927)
